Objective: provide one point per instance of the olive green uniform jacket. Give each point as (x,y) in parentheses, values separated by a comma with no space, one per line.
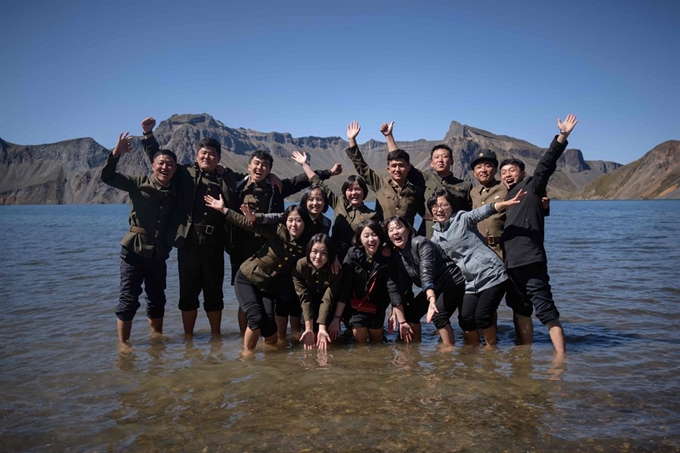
(346,219)
(190,207)
(406,201)
(491,228)
(277,257)
(151,207)
(317,290)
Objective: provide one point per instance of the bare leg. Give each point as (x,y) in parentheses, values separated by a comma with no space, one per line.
(360,335)
(271,340)
(282,327)
(242,321)
(156,325)
(375,335)
(471,337)
(448,338)
(250,338)
(557,337)
(524,329)
(490,336)
(295,328)
(189,321)
(124,329)
(215,320)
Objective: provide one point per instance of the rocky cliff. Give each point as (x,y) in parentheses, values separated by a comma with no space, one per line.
(68,172)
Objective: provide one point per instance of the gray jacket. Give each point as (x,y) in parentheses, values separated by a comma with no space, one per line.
(461,241)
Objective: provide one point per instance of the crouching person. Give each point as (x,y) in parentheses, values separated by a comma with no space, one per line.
(144,250)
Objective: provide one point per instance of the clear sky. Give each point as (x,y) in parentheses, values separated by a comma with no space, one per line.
(92,69)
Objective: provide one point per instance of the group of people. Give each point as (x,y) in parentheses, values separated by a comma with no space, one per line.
(293,265)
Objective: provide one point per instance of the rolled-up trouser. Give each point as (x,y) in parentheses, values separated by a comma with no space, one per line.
(201,268)
(258,306)
(531,285)
(478,308)
(136,270)
(288,302)
(448,301)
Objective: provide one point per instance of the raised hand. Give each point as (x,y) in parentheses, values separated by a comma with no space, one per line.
(123,146)
(568,125)
(386,129)
(353,129)
(215,203)
(300,158)
(148,124)
(248,213)
(336,170)
(514,200)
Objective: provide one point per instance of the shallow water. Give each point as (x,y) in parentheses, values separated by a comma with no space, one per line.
(65,387)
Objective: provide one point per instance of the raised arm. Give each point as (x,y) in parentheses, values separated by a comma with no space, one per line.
(301,158)
(548,163)
(386,130)
(149,142)
(372,179)
(109,174)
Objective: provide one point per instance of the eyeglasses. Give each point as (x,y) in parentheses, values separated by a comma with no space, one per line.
(440,206)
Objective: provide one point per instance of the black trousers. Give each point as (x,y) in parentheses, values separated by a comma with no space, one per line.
(258,306)
(136,270)
(478,309)
(531,285)
(201,268)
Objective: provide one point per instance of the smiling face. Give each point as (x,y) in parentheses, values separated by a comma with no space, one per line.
(318,255)
(484,171)
(370,241)
(315,203)
(441,161)
(295,224)
(398,234)
(511,175)
(398,170)
(258,169)
(164,168)
(442,211)
(354,194)
(207,159)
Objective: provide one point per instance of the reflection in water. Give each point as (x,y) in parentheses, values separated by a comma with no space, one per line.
(66,385)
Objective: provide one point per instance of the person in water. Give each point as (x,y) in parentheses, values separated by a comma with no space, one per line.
(144,250)
(524,234)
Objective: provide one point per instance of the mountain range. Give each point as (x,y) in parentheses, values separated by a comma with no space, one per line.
(68,171)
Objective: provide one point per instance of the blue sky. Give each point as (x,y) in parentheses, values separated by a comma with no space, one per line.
(92,69)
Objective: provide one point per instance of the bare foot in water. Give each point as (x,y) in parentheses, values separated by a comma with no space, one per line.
(124,347)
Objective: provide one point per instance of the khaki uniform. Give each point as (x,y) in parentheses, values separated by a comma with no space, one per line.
(432,182)
(317,290)
(151,207)
(406,201)
(346,220)
(491,228)
(275,259)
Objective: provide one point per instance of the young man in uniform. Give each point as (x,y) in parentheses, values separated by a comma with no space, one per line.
(144,249)
(438,176)
(395,194)
(523,235)
(198,232)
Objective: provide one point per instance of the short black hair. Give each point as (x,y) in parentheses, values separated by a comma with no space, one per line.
(374,226)
(325,240)
(308,192)
(262,155)
(295,208)
(351,179)
(399,220)
(398,154)
(516,162)
(165,152)
(441,193)
(441,146)
(211,143)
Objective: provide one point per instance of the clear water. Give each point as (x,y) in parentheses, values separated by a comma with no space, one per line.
(65,387)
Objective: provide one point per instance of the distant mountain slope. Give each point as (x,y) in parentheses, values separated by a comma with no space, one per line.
(68,172)
(654,175)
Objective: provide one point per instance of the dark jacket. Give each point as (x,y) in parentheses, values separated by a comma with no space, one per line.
(427,265)
(317,290)
(360,270)
(189,206)
(524,232)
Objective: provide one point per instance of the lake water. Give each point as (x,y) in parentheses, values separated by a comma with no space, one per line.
(65,387)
